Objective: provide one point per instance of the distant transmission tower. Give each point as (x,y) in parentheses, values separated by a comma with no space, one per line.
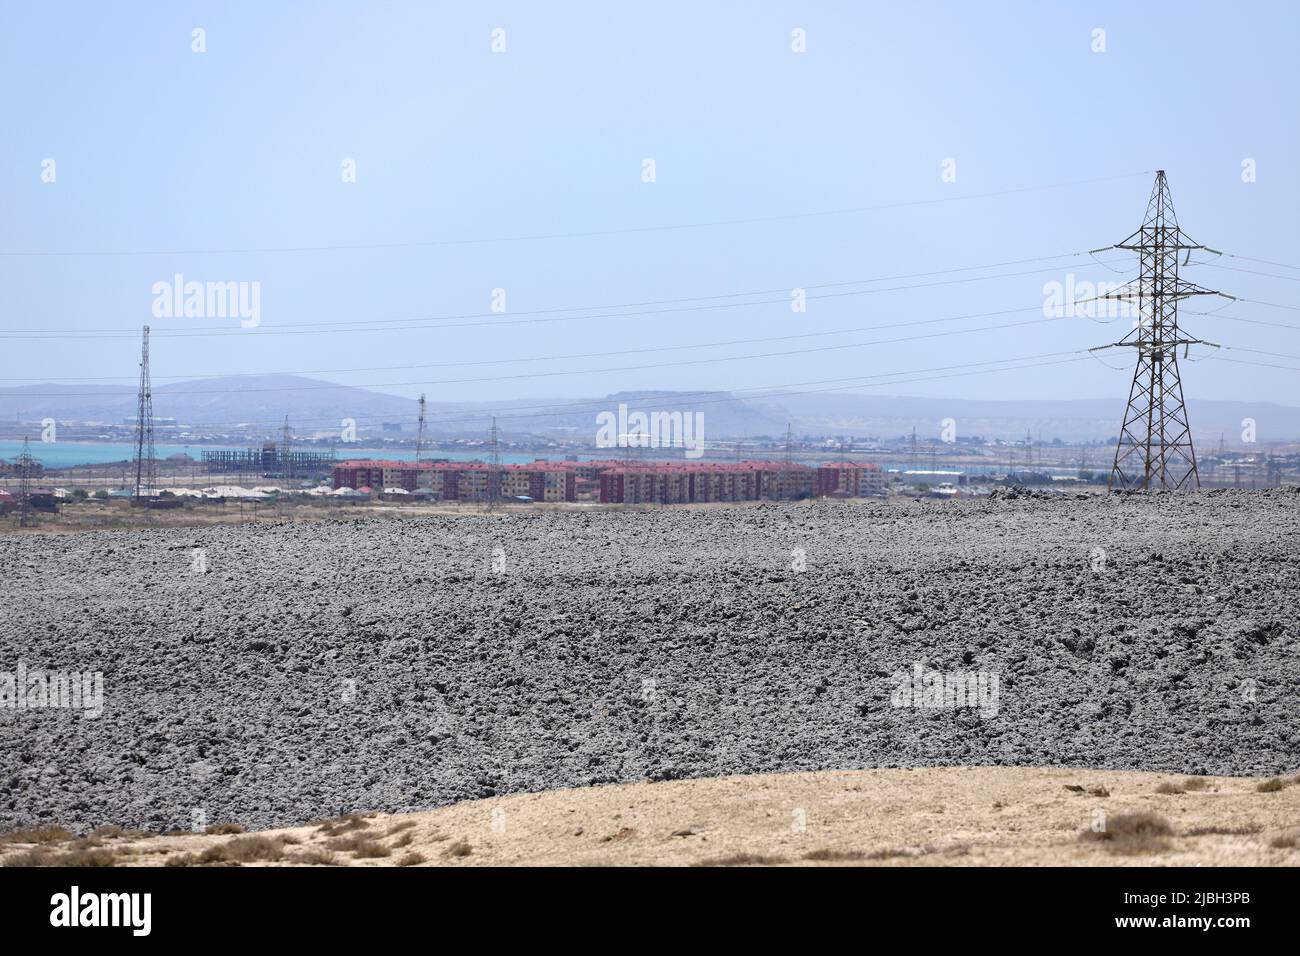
(145,465)
(787,480)
(1155,442)
(419,435)
(286,442)
(25,465)
(494,473)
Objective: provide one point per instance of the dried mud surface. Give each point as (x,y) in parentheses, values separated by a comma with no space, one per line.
(411,663)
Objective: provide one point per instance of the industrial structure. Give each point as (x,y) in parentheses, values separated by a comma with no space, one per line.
(270,461)
(1155,450)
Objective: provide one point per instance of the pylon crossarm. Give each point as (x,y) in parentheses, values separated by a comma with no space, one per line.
(1165,247)
(1182,290)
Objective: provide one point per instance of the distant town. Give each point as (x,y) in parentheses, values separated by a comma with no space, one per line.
(94,461)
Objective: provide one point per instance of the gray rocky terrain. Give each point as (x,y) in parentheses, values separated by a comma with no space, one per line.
(417,661)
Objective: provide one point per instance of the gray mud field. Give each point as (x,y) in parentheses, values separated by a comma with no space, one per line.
(414,662)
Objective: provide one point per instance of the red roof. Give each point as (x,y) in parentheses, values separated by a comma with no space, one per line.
(450,465)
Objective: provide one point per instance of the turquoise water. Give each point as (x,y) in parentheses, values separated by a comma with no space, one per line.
(69,454)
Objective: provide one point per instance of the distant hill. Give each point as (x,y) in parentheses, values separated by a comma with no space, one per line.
(1069,420)
(313,404)
(211,401)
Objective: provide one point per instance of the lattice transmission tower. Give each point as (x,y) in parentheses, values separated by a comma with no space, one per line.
(286,447)
(25,467)
(146,473)
(494,471)
(1154,451)
(419,435)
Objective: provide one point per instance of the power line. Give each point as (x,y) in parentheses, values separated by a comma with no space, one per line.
(627,305)
(594,233)
(392,325)
(576,355)
(617,368)
(1252,272)
(1220,358)
(1267,262)
(1238,318)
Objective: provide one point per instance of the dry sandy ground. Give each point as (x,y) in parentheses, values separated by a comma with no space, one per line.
(962,816)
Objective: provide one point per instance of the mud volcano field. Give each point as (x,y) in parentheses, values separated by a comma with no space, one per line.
(409,663)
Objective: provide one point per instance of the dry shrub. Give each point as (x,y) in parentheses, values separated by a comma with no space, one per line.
(403,840)
(828,855)
(370,850)
(34,857)
(359,845)
(183,859)
(1097,790)
(1270,786)
(250,849)
(399,827)
(886,854)
(1246,829)
(458,849)
(1286,841)
(39,856)
(36,835)
(743,859)
(411,859)
(1168,787)
(315,856)
(1132,833)
(88,858)
(223,829)
(1196,784)
(343,824)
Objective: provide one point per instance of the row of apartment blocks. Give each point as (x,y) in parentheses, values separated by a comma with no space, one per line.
(462,480)
(620,482)
(678,483)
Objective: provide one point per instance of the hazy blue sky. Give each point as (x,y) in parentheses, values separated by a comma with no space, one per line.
(240,148)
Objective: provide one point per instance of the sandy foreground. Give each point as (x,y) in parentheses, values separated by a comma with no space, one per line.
(962,816)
